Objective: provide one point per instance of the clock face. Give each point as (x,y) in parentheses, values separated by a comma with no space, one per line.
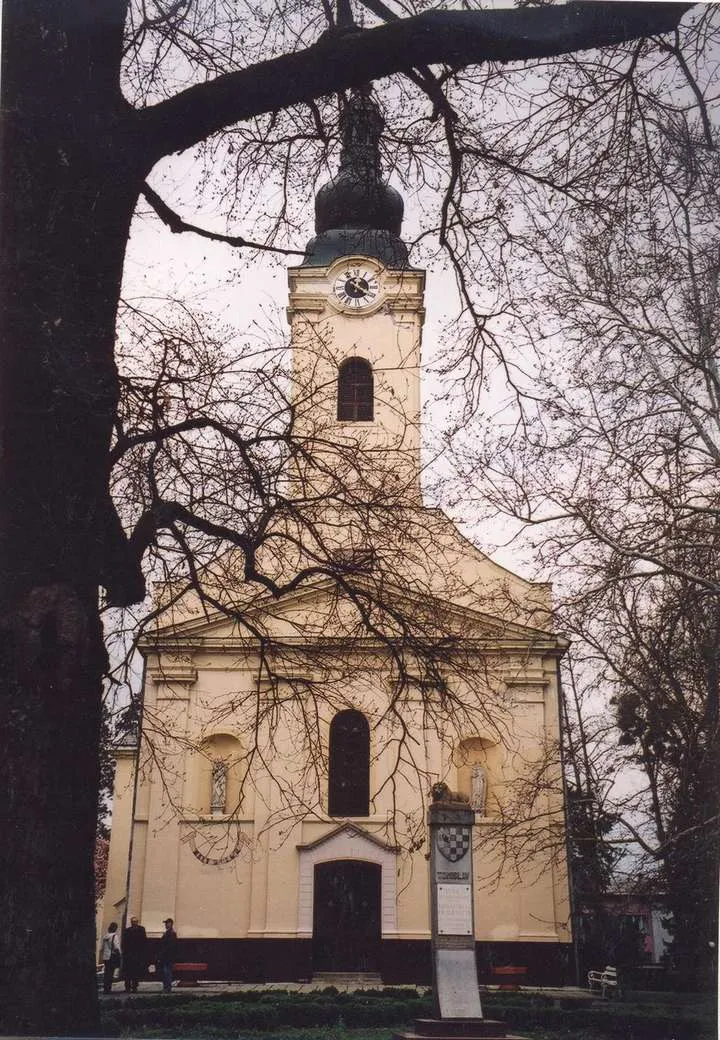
(356,287)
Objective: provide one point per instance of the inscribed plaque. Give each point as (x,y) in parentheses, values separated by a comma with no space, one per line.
(454,909)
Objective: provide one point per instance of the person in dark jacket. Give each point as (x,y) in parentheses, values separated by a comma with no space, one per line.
(168,954)
(134,955)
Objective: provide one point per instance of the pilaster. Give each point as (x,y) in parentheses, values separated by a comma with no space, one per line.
(173,680)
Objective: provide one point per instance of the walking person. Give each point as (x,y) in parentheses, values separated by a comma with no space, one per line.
(134,954)
(168,954)
(110,955)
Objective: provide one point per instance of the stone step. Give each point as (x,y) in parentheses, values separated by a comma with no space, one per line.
(457,1029)
(356,979)
(499,1034)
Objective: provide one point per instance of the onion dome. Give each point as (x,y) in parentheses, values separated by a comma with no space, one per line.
(357,212)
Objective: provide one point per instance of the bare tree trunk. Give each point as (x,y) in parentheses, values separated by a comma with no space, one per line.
(51,660)
(69,181)
(59,388)
(59,394)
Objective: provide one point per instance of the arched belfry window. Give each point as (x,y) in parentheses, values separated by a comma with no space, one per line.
(355,390)
(349,765)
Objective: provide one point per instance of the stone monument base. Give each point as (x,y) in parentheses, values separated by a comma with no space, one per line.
(457,1029)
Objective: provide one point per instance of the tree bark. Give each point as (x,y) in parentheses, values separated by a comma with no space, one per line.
(51,658)
(457,38)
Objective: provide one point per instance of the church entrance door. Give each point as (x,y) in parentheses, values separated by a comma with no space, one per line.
(346,916)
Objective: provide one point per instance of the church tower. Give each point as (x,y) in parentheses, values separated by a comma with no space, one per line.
(356,310)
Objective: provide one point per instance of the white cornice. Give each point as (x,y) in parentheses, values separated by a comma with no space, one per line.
(184,674)
(545,646)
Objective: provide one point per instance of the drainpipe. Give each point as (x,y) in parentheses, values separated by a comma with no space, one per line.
(135,789)
(562,715)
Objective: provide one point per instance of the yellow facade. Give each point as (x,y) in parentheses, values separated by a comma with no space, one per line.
(449,658)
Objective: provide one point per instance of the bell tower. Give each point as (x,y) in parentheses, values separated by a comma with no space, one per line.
(356,310)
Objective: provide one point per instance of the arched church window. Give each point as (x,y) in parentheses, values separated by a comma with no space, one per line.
(349,765)
(355,391)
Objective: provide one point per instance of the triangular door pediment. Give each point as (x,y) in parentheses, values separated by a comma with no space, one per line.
(340,834)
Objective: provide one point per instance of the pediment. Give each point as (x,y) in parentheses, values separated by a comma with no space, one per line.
(295,609)
(425,579)
(319,613)
(336,841)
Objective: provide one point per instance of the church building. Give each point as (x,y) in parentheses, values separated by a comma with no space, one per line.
(294,723)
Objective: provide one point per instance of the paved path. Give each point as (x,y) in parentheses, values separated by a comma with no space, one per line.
(152,988)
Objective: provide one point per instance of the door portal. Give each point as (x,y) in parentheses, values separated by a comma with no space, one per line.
(346,916)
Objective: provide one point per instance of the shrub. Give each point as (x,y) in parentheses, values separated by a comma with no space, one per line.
(230,1014)
(611,1022)
(312,1013)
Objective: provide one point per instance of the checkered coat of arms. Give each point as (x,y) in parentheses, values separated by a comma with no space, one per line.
(453,842)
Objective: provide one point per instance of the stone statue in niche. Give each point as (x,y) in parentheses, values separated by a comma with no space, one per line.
(218,798)
(478,789)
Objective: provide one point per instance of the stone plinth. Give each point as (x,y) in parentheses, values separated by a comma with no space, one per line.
(457,1029)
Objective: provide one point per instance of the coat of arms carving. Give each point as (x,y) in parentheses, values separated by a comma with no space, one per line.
(453,842)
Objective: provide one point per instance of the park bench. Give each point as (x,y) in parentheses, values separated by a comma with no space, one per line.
(509,975)
(606,980)
(188,972)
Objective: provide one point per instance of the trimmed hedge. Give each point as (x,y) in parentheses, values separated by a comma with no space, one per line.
(264,1012)
(615,1020)
(231,1014)
(627,1025)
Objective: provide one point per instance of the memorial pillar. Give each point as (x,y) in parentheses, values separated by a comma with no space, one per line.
(457,994)
(451,907)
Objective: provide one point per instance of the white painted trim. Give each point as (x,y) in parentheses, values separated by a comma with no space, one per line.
(351,845)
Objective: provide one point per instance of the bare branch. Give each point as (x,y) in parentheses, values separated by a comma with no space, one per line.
(178,225)
(338,62)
